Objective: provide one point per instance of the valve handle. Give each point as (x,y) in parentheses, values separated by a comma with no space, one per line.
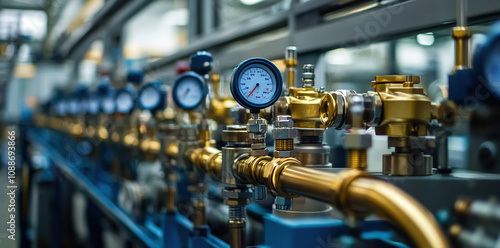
(327,110)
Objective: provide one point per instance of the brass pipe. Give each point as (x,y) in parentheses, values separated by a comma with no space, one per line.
(206,159)
(399,208)
(353,192)
(462,36)
(237,231)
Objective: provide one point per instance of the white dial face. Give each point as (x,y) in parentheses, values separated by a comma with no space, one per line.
(73,107)
(257,85)
(149,98)
(108,105)
(189,92)
(60,108)
(93,105)
(124,102)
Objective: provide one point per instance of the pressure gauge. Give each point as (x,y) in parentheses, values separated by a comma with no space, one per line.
(189,90)
(93,105)
(60,108)
(152,96)
(108,105)
(487,61)
(73,106)
(256,84)
(125,99)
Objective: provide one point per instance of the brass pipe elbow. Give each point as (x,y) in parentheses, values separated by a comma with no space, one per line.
(355,193)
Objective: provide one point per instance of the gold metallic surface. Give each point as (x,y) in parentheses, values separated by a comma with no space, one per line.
(237,230)
(462,36)
(199,216)
(462,207)
(219,110)
(402,210)
(303,105)
(358,194)
(406,110)
(284,144)
(170,198)
(172,150)
(357,159)
(206,159)
(102,133)
(327,110)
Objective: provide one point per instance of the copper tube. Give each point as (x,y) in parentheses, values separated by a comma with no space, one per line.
(366,195)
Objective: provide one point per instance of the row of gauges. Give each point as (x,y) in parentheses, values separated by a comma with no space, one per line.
(255,84)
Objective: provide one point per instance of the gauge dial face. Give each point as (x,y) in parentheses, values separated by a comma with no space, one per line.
(60,108)
(150,98)
(73,107)
(108,105)
(124,102)
(93,105)
(188,91)
(256,83)
(492,68)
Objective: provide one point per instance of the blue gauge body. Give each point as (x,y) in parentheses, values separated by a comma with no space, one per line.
(256,84)
(189,90)
(201,62)
(152,96)
(126,99)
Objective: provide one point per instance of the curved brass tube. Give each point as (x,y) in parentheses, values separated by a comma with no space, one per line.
(359,194)
(399,208)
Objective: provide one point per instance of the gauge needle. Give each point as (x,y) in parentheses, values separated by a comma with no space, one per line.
(185,93)
(253,90)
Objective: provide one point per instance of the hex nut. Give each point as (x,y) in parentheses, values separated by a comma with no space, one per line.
(257,153)
(236,202)
(283,154)
(357,141)
(237,194)
(284,133)
(280,200)
(257,127)
(283,121)
(258,146)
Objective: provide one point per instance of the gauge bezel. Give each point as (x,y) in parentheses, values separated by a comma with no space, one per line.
(158,86)
(241,68)
(199,79)
(132,92)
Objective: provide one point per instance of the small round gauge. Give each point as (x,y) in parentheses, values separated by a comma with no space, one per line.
(487,62)
(256,84)
(108,104)
(73,106)
(60,108)
(125,99)
(152,96)
(188,91)
(93,105)
(491,69)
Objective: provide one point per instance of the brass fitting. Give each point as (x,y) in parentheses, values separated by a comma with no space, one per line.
(265,170)
(207,160)
(357,159)
(406,109)
(150,148)
(291,64)
(462,36)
